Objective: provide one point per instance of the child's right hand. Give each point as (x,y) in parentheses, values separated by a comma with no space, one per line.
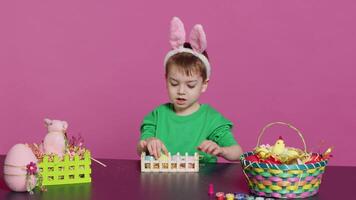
(154,147)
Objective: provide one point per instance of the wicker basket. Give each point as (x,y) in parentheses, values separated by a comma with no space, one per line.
(281,180)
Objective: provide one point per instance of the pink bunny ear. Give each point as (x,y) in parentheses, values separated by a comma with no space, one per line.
(65,125)
(177,37)
(47,121)
(198,38)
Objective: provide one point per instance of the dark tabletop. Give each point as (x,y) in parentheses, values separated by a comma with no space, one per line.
(122,179)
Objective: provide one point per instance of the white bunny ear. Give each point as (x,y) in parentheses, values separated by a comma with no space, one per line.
(197,39)
(177,33)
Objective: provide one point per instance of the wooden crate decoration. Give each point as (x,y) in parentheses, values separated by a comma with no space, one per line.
(66,171)
(176,163)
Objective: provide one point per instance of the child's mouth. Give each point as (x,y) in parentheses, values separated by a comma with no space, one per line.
(180,101)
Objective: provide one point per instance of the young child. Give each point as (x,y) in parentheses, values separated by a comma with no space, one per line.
(185,125)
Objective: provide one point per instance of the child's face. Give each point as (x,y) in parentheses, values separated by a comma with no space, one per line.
(183,90)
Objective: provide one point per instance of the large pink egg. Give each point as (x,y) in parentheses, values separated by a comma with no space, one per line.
(15,167)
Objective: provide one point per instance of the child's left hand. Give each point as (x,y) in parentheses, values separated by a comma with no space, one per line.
(210,147)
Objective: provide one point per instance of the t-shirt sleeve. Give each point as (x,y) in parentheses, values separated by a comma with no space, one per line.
(148,126)
(223,136)
(221,131)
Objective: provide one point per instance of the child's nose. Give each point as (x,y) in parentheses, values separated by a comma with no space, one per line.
(181,89)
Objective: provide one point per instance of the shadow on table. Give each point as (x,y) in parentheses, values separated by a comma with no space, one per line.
(72,191)
(191,185)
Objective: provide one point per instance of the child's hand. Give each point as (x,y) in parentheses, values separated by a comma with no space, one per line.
(154,147)
(211,147)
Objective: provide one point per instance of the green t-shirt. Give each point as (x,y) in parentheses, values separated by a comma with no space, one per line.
(185,133)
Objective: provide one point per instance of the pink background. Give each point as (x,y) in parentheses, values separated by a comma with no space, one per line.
(98,65)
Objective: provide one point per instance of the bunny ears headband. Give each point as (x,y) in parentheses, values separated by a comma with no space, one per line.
(197,40)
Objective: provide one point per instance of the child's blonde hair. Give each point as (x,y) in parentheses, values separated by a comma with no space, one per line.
(187,63)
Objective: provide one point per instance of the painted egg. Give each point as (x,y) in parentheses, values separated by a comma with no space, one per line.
(253,158)
(15,163)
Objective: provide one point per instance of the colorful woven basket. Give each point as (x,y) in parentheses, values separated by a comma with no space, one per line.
(280,180)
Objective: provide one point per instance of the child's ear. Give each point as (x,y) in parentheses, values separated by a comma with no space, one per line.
(205,85)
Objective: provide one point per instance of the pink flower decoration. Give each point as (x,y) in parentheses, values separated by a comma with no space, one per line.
(31,168)
(76,141)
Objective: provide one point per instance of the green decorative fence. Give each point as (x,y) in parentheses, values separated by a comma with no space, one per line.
(67,171)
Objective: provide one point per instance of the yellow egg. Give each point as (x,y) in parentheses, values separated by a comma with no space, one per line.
(163,157)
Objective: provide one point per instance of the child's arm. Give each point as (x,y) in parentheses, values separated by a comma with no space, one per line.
(148,129)
(231,153)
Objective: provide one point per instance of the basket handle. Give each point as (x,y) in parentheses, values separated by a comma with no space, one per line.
(281,123)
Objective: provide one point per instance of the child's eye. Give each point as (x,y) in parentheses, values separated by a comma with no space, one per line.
(191,86)
(174,84)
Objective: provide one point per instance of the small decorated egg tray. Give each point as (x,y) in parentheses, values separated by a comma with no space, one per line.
(175,163)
